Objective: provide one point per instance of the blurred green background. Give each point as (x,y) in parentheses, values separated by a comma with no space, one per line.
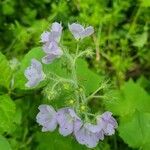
(121,53)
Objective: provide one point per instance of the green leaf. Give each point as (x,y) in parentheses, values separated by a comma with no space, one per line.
(145,3)
(6,72)
(143,82)
(135,130)
(90,80)
(140,40)
(4,145)
(53,141)
(128,99)
(7,112)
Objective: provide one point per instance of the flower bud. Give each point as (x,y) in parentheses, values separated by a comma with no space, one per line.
(83,108)
(71,101)
(66,86)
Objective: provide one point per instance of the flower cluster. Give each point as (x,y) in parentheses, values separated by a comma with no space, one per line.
(50,40)
(66,118)
(69,123)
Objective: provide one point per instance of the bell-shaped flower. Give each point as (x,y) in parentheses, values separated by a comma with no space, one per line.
(52,51)
(53,35)
(34,73)
(68,121)
(50,40)
(107,123)
(56,29)
(79,32)
(47,118)
(89,135)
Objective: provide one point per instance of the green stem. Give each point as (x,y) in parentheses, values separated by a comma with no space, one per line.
(134,21)
(74,76)
(89,97)
(61,79)
(77,50)
(80,95)
(97,96)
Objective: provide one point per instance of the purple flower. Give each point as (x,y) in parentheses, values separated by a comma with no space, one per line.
(57,30)
(68,121)
(107,123)
(89,135)
(52,51)
(34,73)
(45,37)
(47,118)
(53,35)
(79,32)
(50,41)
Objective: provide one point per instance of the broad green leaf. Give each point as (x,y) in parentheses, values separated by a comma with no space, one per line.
(135,130)
(90,80)
(7,112)
(5,71)
(53,141)
(4,145)
(128,99)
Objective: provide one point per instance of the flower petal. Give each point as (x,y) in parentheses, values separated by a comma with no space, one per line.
(56,27)
(66,129)
(45,36)
(48,58)
(76,30)
(68,121)
(93,128)
(107,123)
(87,32)
(86,137)
(52,47)
(65,121)
(47,118)
(79,32)
(34,73)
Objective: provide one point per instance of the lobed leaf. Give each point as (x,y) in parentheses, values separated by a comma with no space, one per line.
(128,99)
(135,130)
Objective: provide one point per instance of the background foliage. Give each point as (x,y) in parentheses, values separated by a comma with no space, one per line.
(122,54)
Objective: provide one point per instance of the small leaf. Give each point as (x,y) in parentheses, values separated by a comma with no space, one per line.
(6,72)
(140,40)
(7,112)
(4,145)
